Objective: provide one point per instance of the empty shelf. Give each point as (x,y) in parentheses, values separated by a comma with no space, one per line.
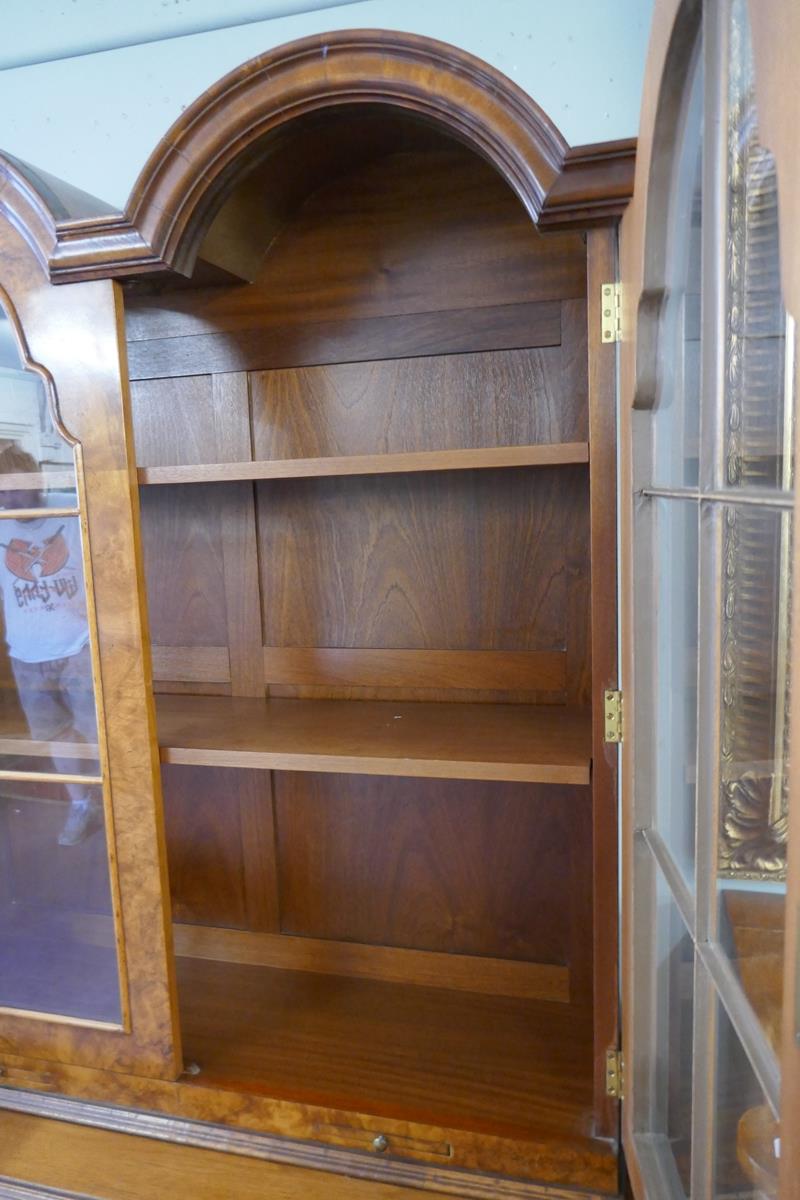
(549,455)
(516,742)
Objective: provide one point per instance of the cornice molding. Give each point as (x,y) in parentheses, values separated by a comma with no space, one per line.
(217,138)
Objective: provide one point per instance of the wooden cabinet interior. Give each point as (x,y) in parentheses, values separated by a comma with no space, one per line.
(367,561)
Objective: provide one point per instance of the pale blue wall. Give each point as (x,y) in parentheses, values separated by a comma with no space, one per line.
(89,86)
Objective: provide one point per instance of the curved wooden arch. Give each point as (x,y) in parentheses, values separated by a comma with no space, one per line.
(211,145)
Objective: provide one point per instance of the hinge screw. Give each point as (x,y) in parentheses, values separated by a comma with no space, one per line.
(380,1143)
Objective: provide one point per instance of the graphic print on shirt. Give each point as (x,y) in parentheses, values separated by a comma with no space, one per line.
(33,562)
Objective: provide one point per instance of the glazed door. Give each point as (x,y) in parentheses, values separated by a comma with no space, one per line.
(85,975)
(709,467)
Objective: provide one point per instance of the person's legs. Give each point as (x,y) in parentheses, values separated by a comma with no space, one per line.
(77,696)
(58,703)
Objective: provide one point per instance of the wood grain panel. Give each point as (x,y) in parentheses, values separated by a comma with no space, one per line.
(406,233)
(423,968)
(173,420)
(533,670)
(197,419)
(314,342)
(498,1065)
(204,846)
(464,561)
(184,566)
(220,846)
(503,398)
(516,742)
(452,866)
(191,664)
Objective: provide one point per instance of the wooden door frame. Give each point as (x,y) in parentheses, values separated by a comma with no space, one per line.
(776,37)
(212,146)
(70,338)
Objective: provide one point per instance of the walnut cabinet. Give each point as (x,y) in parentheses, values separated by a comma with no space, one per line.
(324,428)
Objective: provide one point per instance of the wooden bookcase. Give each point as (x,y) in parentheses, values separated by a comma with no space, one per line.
(368,568)
(359,409)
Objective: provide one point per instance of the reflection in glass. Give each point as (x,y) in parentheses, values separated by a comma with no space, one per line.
(47,706)
(745,1161)
(754,691)
(57,945)
(676,419)
(675,678)
(674,1003)
(36,463)
(759,380)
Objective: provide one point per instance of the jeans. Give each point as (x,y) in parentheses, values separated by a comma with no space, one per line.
(57,698)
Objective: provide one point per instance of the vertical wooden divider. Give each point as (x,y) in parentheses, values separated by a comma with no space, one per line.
(231,397)
(602,267)
(259,849)
(239,541)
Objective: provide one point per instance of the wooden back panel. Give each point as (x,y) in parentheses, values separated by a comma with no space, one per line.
(410,305)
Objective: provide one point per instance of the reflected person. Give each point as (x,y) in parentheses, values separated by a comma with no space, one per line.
(47,633)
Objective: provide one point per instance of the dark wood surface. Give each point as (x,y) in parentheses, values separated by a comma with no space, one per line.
(516,1068)
(449,402)
(313,343)
(452,866)
(602,261)
(452,561)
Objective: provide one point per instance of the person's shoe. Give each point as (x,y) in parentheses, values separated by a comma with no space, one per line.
(84,818)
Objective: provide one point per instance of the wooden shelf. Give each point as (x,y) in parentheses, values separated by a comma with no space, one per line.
(520,1068)
(516,742)
(546,455)
(61,479)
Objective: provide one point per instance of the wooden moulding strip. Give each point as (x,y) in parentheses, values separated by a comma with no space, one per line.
(424,968)
(21,747)
(48,777)
(191,664)
(308,666)
(545,455)
(24,514)
(34,481)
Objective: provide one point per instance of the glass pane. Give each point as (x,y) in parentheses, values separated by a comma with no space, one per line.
(675,677)
(745,1162)
(754,691)
(758,399)
(57,945)
(668,1098)
(36,462)
(676,421)
(47,706)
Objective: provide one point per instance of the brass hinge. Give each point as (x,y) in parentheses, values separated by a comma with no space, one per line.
(612,711)
(615,1074)
(611,312)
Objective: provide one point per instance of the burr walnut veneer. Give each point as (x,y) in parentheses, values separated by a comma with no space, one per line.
(355,570)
